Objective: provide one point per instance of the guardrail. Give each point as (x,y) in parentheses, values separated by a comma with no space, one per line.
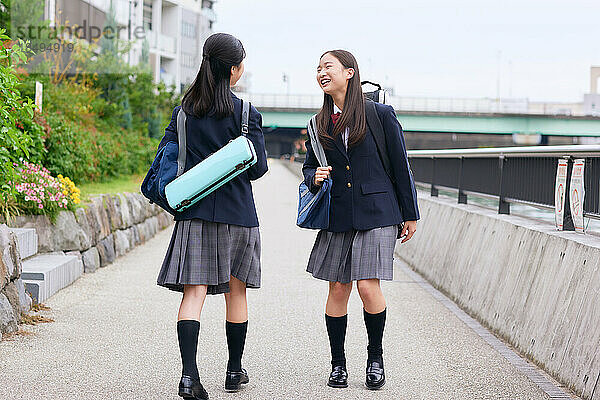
(525,175)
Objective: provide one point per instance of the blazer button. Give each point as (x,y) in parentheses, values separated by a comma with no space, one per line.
(349,184)
(348,167)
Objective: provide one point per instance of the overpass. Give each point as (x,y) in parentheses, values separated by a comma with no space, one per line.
(443,123)
(457,122)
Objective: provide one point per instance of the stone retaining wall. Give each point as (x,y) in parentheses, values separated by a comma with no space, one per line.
(13,299)
(107,228)
(110,226)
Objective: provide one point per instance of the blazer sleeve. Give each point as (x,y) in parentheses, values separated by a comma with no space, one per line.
(171,129)
(309,168)
(255,134)
(404,184)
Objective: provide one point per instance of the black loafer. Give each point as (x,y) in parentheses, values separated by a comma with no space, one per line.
(375,375)
(338,377)
(235,379)
(190,388)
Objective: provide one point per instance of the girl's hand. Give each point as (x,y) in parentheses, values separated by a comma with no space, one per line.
(322,174)
(408,230)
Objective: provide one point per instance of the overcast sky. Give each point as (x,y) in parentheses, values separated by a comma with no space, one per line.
(542,50)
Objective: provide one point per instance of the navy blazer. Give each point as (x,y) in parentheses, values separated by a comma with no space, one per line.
(362,195)
(232,203)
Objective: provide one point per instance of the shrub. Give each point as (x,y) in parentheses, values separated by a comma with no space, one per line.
(20,136)
(70,150)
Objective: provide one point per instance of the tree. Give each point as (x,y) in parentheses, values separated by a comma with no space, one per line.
(113,72)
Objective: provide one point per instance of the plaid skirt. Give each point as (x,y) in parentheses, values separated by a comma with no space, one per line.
(208,253)
(354,255)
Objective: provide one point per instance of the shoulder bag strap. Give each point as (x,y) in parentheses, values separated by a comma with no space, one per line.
(379,135)
(245,117)
(181,137)
(316,143)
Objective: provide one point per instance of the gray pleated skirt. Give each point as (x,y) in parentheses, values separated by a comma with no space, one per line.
(208,253)
(354,255)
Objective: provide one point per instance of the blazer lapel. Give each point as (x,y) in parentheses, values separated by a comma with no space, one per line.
(339,142)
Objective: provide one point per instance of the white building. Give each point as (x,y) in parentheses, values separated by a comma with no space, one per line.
(175,30)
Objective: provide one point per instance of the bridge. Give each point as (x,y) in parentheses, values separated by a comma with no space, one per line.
(437,123)
(114,332)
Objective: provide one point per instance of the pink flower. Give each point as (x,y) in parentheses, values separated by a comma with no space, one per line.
(40,206)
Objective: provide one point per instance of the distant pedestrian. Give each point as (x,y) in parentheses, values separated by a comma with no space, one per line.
(215,247)
(366,212)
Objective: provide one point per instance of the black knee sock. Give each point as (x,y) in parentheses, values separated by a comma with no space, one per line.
(236,338)
(375,324)
(187,333)
(336,329)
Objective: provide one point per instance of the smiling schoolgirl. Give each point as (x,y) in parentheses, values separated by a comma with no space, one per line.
(366,212)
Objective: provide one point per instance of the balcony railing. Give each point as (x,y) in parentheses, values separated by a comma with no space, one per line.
(209,13)
(163,43)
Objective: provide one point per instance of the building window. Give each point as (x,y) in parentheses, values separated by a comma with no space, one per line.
(188,30)
(147,15)
(188,60)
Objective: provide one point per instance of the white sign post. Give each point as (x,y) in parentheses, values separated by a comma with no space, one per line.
(39,90)
(577,194)
(559,193)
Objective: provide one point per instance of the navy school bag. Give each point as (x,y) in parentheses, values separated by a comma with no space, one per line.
(165,168)
(313,209)
(379,96)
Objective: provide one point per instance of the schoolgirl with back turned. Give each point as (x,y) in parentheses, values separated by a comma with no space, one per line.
(215,247)
(370,208)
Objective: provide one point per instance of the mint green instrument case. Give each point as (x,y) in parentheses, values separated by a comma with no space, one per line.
(214,171)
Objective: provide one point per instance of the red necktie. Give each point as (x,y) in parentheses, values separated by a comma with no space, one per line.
(335,117)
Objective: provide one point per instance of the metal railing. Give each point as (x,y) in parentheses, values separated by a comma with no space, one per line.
(426,104)
(524,175)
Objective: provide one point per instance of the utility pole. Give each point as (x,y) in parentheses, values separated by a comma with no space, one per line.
(498,76)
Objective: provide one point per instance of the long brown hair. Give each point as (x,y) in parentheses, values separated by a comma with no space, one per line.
(353,114)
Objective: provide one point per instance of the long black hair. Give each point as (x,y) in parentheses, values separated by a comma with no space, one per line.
(353,114)
(210,93)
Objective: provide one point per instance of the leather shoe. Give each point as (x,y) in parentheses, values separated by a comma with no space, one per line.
(338,378)
(191,388)
(375,375)
(235,379)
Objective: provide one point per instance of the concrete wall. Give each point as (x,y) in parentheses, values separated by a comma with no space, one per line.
(534,286)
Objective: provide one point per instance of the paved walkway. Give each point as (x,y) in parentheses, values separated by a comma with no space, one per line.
(114,333)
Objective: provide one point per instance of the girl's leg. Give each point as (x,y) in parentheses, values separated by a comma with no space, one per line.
(188,326)
(336,319)
(236,325)
(374,314)
(337,300)
(371,295)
